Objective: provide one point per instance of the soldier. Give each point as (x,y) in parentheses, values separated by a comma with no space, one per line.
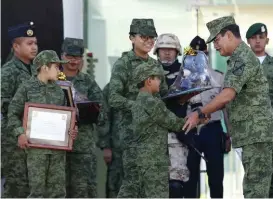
(168,48)
(82,161)
(210,140)
(46,167)
(257,39)
(151,121)
(13,74)
(250,113)
(112,152)
(123,92)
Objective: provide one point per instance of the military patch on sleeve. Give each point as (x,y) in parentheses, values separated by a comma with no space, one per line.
(238,68)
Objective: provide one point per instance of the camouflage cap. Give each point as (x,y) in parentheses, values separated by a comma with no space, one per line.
(73,46)
(143,27)
(255,29)
(217,25)
(46,57)
(146,70)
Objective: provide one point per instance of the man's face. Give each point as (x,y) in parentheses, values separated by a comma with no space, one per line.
(258,42)
(75,62)
(26,47)
(224,43)
(167,55)
(143,43)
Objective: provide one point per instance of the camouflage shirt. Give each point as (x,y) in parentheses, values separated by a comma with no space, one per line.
(151,122)
(86,138)
(250,112)
(123,90)
(112,136)
(268,71)
(33,91)
(13,74)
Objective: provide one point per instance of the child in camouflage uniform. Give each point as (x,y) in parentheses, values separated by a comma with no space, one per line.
(152,120)
(46,168)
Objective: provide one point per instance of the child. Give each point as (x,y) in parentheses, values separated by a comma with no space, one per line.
(46,168)
(152,120)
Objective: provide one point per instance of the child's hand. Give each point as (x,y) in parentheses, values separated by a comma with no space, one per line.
(74,132)
(22,141)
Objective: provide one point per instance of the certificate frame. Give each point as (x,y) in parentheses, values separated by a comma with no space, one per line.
(67,143)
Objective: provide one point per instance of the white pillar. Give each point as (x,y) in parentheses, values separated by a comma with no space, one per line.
(73,18)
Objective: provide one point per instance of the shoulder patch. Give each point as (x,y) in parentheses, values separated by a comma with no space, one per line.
(238,68)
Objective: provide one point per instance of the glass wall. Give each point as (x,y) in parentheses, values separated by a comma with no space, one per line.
(107,25)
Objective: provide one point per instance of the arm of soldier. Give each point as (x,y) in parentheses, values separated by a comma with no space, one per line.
(8,82)
(162,116)
(15,116)
(116,90)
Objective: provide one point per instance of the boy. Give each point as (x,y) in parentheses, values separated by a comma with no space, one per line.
(152,120)
(46,168)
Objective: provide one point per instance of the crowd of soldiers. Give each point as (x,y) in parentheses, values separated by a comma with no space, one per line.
(142,138)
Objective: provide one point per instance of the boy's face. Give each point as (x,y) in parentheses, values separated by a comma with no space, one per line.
(258,42)
(53,71)
(154,84)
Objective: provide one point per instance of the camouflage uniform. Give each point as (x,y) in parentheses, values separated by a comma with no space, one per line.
(267,63)
(123,92)
(151,122)
(13,74)
(46,168)
(250,114)
(114,170)
(81,165)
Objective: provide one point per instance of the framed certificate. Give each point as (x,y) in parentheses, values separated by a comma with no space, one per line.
(66,86)
(47,126)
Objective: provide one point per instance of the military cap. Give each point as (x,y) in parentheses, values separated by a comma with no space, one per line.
(143,27)
(198,44)
(255,29)
(22,30)
(46,57)
(215,26)
(73,46)
(146,70)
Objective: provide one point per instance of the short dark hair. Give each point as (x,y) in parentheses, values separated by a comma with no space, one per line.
(142,84)
(234,28)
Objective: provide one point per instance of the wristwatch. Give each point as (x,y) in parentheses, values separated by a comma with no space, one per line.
(200,114)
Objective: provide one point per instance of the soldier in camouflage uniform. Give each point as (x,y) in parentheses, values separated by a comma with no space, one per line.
(151,122)
(257,39)
(250,113)
(123,92)
(13,73)
(46,167)
(82,161)
(112,152)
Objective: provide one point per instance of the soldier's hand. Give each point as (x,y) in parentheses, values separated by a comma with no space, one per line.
(73,132)
(107,155)
(22,141)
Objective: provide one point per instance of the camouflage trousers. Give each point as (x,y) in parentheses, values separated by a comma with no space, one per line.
(130,183)
(114,175)
(46,174)
(258,166)
(81,178)
(15,173)
(154,181)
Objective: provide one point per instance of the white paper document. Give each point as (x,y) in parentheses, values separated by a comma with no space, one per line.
(48,125)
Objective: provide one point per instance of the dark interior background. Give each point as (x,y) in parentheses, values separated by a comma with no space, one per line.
(47,16)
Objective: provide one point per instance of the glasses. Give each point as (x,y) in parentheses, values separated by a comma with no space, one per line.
(146,38)
(76,58)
